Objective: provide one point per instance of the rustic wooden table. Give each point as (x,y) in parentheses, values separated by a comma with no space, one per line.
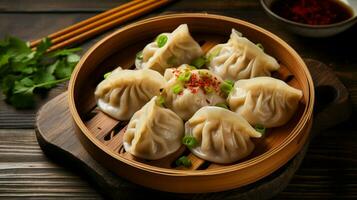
(328,171)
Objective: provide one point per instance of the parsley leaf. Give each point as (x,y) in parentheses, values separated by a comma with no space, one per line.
(25,72)
(63,69)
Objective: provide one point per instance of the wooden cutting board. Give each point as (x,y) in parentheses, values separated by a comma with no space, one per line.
(56,136)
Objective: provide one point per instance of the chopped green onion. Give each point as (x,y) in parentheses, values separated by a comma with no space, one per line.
(227,86)
(260,46)
(139,55)
(216,51)
(204,74)
(222,105)
(107,74)
(161,40)
(208,89)
(185,76)
(172,60)
(199,62)
(160,101)
(213,54)
(260,128)
(177,88)
(184,161)
(192,67)
(189,141)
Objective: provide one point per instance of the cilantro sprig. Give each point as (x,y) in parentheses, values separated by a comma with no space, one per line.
(25,72)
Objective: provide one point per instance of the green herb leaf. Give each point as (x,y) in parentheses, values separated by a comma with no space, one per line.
(161,40)
(64,52)
(23,71)
(22,67)
(52,67)
(4,59)
(43,45)
(199,62)
(22,100)
(183,161)
(44,77)
(260,128)
(227,86)
(176,89)
(189,141)
(73,58)
(222,105)
(16,48)
(8,84)
(63,69)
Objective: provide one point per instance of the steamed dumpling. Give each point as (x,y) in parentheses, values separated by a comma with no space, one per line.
(179,48)
(153,132)
(264,100)
(239,58)
(124,92)
(197,88)
(222,135)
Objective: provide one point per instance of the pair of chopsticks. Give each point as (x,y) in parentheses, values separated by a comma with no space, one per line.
(98,24)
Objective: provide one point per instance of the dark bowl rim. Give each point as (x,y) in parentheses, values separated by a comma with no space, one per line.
(334,25)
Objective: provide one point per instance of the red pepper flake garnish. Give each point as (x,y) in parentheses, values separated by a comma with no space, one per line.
(313,12)
(200,80)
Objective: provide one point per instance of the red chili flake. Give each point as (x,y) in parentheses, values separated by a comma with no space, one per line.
(206,80)
(313,12)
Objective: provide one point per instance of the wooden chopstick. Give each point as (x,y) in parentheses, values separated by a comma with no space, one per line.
(100,23)
(86,22)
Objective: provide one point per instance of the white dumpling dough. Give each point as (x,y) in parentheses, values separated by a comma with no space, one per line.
(180,48)
(153,132)
(222,135)
(124,92)
(264,100)
(193,95)
(239,58)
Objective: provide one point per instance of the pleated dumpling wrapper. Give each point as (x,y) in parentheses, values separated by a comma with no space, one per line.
(264,101)
(153,132)
(222,136)
(187,90)
(240,58)
(169,50)
(124,92)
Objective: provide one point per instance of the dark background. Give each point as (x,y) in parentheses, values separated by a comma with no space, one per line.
(328,171)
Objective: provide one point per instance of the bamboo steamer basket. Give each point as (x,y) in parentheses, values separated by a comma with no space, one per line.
(102,136)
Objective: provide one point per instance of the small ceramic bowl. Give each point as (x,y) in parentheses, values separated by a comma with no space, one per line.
(314,30)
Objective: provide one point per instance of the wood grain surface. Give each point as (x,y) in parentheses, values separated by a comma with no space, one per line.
(328,171)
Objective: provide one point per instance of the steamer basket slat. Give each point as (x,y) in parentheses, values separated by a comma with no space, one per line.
(103,135)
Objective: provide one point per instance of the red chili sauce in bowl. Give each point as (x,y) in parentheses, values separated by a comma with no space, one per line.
(312,12)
